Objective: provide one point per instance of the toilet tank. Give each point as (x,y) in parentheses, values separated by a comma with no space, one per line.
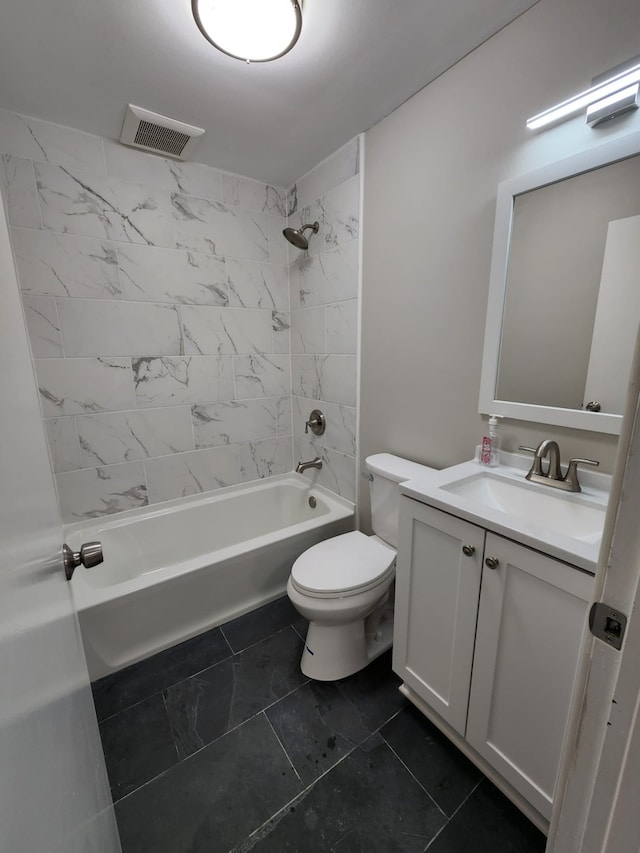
(387,471)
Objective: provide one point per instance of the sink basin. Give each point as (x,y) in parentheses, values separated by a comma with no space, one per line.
(568,513)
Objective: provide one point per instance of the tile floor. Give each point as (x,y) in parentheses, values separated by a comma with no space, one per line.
(221,744)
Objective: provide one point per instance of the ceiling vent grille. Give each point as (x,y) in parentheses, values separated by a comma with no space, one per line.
(159,134)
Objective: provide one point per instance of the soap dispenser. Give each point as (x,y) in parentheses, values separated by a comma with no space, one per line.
(489,451)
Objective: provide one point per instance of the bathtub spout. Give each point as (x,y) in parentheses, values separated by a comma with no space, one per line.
(302,466)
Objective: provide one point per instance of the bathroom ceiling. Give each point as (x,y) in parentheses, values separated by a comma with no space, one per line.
(79,62)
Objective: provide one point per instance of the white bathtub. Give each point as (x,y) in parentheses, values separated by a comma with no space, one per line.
(174,570)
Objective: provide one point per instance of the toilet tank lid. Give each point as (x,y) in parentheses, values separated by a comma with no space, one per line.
(396,468)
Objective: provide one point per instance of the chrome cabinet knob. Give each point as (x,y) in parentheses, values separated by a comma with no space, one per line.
(492,562)
(89,555)
(468,550)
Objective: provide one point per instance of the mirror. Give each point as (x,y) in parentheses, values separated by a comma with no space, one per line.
(564,299)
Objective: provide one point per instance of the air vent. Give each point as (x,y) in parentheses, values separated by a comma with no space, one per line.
(159,134)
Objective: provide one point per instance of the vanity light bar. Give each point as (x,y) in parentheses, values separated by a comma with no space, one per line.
(615,105)
(607,88)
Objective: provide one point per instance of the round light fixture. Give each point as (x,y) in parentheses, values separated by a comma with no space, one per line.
(253,30)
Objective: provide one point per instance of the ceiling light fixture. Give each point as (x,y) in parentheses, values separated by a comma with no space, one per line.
(252,30)
(614,93)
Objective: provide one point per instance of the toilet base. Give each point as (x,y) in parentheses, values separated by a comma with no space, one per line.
(335,651)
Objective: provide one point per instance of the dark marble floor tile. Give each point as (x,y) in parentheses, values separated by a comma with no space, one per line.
(317,726)
(211,801)
(141,680)
(436,763)
(374,692)
(368,803)
(138,745)
(207,705)
(489,823)
(260,623)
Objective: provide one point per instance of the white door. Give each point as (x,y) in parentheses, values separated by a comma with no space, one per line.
(599,789)
(54,793)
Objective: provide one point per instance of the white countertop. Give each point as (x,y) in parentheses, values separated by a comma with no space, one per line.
(582,553)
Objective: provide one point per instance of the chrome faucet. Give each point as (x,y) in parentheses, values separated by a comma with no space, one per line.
(553,475)
(302,466)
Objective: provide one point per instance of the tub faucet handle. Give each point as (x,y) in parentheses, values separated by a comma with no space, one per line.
(89,555)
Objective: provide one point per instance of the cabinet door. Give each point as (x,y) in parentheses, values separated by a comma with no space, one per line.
(530,625)
(437,588)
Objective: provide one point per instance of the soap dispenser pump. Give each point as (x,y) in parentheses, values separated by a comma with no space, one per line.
(491,444)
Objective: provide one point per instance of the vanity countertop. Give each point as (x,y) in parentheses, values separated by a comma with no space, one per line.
(542,527)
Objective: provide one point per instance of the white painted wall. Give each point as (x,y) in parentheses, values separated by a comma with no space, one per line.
(431,172)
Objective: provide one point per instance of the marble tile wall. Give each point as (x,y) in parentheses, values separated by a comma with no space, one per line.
(324,316)
(156,295)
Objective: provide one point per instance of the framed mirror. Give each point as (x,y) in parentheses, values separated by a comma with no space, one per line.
(564,296)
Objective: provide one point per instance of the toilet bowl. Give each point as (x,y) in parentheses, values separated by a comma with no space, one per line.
(344,585)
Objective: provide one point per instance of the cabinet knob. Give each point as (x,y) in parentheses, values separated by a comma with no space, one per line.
(468,550)
(492,562)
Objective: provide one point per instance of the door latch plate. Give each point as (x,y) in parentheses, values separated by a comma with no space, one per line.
(607,624)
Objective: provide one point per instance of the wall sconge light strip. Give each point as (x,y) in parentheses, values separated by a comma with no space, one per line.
(610,87)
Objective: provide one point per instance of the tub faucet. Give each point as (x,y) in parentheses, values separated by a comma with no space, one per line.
(553,476)
(302,466)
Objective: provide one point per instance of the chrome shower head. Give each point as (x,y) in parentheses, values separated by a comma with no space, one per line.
(296,235)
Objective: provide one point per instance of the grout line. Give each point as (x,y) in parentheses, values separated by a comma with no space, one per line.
(413,776)
(270,724)
(442,828)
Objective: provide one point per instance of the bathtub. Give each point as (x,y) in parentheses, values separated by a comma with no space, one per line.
(176,569)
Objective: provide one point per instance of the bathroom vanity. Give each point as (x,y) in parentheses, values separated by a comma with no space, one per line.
(494,578)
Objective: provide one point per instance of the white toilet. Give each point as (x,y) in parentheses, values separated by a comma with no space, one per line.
(342,585)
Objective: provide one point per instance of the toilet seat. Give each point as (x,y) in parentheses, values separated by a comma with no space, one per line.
(344,565)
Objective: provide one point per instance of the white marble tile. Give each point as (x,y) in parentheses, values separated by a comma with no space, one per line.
(281,322)
(338,472)
(260,459)
(278,245)
(306,377)
(154,274)
(258,285)
(342,213)
(342,327)
(64,447)
(191,473)
(329,277)
(210,227)
(63,265)
(125,436)
(262,376)
(292,199)
(97,327)
(73,386)
(340,433)
(283,416)
(162,172)
(50,143)
(179,380)
(337,168)
(252,195)
(226,331)
(308,330)
(88,205)
(234,421)
(43,325)
(325,377)
(93,492)
(18,185)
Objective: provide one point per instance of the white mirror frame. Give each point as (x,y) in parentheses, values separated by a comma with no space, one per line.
(602,155)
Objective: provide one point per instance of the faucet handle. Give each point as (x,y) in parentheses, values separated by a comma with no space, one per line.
(571,477)
(528,449)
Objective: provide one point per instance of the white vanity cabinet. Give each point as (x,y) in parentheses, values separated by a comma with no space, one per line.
(492,651)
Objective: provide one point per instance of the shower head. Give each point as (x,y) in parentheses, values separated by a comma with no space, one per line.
(296,235)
